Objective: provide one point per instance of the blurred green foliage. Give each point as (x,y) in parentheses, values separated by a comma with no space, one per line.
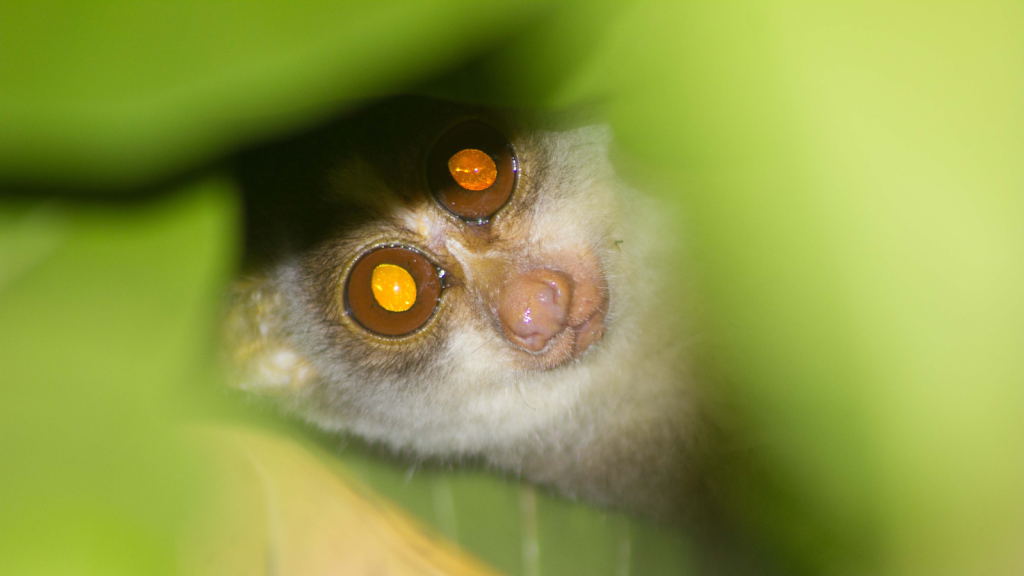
(112,94)
(106,311)
(852,182)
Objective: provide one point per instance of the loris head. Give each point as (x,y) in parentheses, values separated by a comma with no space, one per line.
(443,279)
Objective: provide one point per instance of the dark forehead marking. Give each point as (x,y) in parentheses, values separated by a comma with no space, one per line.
(293,198)
(396,135)
(290,200)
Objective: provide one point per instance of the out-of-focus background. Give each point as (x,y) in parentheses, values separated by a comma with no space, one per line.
(852,180)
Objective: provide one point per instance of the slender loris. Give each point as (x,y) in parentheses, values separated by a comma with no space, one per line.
(454,283)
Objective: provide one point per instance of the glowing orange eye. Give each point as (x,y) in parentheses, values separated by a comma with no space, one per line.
(393,288)
(392,291)
(473,169)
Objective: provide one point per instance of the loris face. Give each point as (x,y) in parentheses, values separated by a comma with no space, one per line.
(463,282)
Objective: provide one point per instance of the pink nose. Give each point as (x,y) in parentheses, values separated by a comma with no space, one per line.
(534,307)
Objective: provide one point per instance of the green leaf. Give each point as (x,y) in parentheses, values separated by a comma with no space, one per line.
(107,311)
(108,95)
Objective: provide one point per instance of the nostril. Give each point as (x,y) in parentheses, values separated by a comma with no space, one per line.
(534,307)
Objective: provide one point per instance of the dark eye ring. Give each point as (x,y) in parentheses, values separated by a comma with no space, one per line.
(472,170)
(393,290)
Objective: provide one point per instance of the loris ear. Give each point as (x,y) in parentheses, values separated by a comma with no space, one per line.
(259,355)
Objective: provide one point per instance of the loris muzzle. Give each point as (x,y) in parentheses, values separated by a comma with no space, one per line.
(455,283)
